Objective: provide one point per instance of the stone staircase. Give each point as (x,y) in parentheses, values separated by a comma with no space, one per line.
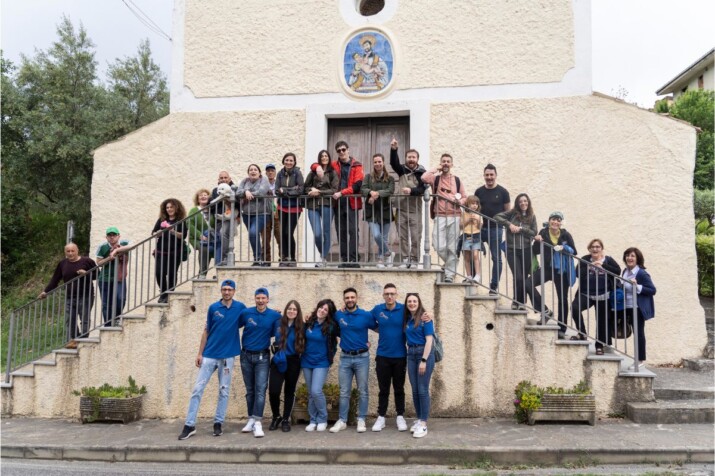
(682,395)
(489,348)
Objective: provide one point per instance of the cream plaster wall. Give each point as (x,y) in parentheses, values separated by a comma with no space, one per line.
(487,353)
(292,47)
(617,172)
(179,154)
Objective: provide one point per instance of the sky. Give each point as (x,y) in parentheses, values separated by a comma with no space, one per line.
(638,45)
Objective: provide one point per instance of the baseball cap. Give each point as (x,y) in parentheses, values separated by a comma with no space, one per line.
(113,229)
(261,291)
(228,282)
(270,166)
(558,215)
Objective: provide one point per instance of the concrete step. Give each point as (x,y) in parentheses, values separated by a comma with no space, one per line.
(508,310)
(66,351)
(671,411)
(111,329)
(683,394)
(89,340)
(133,316)
(23,373)
(49,363)
(699,364)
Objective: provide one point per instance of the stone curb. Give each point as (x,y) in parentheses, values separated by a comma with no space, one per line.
(361,456)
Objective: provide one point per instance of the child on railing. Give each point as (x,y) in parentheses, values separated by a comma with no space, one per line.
(472,239)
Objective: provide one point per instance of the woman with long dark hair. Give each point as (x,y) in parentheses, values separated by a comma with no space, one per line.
(290,339)
(256,209)
(321,333)
(170,232)
(377,188)
(520,223)
(289,186)
(320,185)
(637,277)
(420,360)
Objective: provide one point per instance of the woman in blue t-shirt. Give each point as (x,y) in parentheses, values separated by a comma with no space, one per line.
(420,360)
(320,346)
(289,338)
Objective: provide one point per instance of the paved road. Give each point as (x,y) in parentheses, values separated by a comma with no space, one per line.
(14,467)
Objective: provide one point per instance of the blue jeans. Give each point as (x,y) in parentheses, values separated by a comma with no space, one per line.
(255,225)
(357,365)
(317,406)
(492,234)
(112,304)
(420,383)
(320,219)
(225,371)
(380,232)
(254,368)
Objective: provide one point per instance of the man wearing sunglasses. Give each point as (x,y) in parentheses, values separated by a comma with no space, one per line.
(350,174)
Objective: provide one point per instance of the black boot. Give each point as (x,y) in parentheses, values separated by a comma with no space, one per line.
(286,425)
(275,423)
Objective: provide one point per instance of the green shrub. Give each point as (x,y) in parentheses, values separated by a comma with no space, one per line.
(527,396)
(705,248)
(108,391)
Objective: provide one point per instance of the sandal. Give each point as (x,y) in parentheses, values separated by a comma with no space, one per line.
(599,350)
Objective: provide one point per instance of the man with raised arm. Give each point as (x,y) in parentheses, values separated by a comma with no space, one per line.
(409,191)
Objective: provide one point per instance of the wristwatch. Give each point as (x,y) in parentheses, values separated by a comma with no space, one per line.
(424,360)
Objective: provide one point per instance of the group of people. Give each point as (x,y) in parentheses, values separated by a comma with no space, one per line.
(310,343)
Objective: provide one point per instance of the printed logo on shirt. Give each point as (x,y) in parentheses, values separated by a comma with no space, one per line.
(251,322)
(383,316)
(218,315)
(343,321)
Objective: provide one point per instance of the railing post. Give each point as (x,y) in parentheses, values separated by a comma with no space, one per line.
(636,347)
(426,259)
(542,275)
(230,257)
(10,344)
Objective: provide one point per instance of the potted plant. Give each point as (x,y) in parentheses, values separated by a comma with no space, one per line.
(332,399)
(533,403)
(108,403)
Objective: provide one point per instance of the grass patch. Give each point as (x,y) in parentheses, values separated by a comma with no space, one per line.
(583,461)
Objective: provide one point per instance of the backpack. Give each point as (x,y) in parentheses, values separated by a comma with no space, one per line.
(438,348)
(433,205)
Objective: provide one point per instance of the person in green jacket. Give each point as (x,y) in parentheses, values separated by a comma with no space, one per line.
(202,230)
(377,188)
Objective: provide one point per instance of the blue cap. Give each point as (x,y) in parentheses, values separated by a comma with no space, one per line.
(228,282)
(261,291)
(270,166)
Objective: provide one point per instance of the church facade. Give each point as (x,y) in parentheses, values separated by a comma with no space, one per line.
(487,81)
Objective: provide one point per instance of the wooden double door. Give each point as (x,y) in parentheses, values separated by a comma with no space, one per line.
(367,137)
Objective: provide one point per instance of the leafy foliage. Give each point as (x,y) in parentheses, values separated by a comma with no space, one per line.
(55,112)
(527,396)
(697,107)
(705,249)
(95,394)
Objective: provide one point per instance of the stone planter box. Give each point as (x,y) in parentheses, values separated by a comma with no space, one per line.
(565,407)
(124,410)
(300,408)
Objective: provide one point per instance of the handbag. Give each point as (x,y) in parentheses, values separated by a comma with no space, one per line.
(623,332)
(280,360)
(438,348)
(186,252)
(617,300)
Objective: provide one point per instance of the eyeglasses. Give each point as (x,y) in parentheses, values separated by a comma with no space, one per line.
(341,150)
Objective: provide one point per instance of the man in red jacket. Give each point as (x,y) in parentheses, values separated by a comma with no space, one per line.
(350,173)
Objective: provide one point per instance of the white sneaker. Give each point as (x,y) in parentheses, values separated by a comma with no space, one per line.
(380,263)
(389,259)
(311,427)
(405,264)
(401,423)
(258,430)
(322,426)
(361,428)
(249,426)
(414,426)
(420,431)
(339,426)
(379,424)
(641,366)
(477,279)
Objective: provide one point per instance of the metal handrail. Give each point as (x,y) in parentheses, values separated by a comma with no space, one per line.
(612,280)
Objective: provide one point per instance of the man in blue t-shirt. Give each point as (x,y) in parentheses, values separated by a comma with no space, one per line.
(391,356)
(219,345)
(354,359)
(259,326)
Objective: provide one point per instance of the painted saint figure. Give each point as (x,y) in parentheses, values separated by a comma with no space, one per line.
(370,71)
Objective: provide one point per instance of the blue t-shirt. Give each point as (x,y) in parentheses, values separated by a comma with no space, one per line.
(290,338)
(416,335)
(222,326)
(258,328)
(392,337)
(353,328)
(315,355)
